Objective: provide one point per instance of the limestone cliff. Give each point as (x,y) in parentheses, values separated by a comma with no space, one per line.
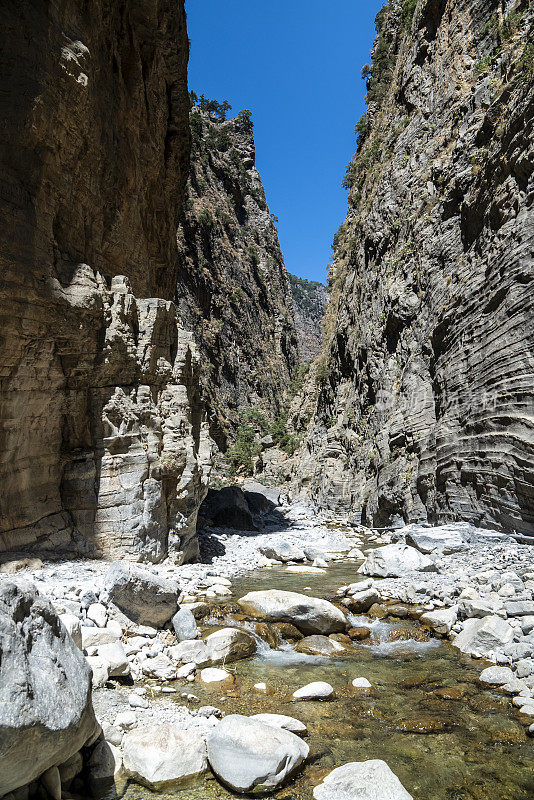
(102,442)
(425,403)
(309,300)
(233,289)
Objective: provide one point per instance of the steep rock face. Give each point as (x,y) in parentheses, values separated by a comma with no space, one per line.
(233,289)
(310,299)
(425,408)
(101,441)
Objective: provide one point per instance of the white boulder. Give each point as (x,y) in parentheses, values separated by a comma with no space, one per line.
(162,754)
(249,756)
(364,780)
(308,614)
(394,561)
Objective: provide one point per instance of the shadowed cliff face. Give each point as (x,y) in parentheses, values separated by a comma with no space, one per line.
(425,406)
(101,434)
(233,289)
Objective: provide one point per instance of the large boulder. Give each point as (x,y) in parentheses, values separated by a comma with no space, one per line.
(365,780)
(226,508)
(308,614)
(249,756)
(441,620)
(46,713)
(162,754)
(394,561)
(229,644)
(283,550)
(144,597)
(484,636)
(444,539)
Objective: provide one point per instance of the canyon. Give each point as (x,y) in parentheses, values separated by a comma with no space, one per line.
(221,477)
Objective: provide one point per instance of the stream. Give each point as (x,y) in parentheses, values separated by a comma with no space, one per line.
(445,736)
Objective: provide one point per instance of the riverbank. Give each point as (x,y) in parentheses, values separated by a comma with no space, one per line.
(392,587)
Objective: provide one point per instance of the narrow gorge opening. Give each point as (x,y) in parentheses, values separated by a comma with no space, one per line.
(266,524)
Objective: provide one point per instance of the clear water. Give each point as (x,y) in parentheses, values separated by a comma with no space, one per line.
(426,716)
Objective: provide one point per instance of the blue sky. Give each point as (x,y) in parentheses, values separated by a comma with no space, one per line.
(296,64)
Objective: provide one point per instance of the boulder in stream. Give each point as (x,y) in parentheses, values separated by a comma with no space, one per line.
(249,756)
(162,754)
(365,780)
(308,614)
(229,644)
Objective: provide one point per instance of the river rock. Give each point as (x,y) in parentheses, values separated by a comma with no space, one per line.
(360,602)
(99,669)
(497,676)
(283,551)
(115,655)
(104,763)
(97,612)
(361,683)
(318,690)
(191,651)
(308,614)
(442,620)
(527,625)
(319,646)
(364,780)
(144,597)
(483,636)
(394,561)
(226,508)
(95,637)
(185,625)
(428,540)
(73,628)
(282,721)
(249,756)
(46,713)
(229,644)
(160,667)
(519,608)
(162,754)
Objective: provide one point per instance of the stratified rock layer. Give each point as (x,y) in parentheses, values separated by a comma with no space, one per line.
(102,443)
(425,408)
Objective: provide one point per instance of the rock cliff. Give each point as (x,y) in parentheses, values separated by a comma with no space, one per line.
(310,299)
(233,289)
(102,441)
(425,404)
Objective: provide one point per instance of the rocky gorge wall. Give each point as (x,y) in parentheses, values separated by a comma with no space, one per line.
(310,299)
(425,387)
(103,446)
(233,289)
